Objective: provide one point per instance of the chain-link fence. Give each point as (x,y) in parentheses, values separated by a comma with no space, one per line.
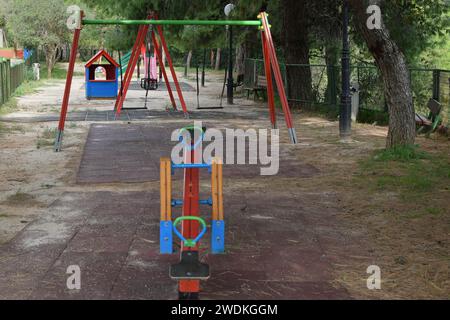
(365,80)
(10,78)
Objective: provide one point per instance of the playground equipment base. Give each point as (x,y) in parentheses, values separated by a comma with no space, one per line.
(190,268)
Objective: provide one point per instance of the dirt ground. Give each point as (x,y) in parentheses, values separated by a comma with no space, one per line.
(412,252)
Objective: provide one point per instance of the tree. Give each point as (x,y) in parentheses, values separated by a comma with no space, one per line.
(39,23)
(296,48)
(421,21)
(392,64)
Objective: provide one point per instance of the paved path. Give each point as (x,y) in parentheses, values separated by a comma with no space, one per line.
(131,153)
(279,246)
(126,115)
(274,252)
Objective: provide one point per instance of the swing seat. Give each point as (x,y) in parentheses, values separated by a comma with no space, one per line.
(149,84)
(189,268)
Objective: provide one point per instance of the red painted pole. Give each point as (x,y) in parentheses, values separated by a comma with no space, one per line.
(131,66)
(278,78)
(134,51)
(163,70)
(172,70)
(65,102)
(268,71)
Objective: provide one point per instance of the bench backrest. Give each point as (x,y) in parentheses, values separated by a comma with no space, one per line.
(261,81)
(434,106)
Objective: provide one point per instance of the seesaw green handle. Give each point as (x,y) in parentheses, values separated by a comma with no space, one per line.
(190,243)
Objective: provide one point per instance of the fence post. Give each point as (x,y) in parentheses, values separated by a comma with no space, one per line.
(436,85)
(8,79)
(1,83)
(332,85)
(345,121)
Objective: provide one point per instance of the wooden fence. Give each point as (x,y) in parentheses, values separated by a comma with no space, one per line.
(10,78)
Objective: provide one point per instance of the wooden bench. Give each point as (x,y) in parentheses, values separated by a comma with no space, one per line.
(259,88)
(431,122)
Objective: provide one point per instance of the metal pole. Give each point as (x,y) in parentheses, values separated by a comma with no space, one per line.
(131,66)
(65,102)
(172,69)
(198,90)
(163,70)
(255,23)
(345,107)
(203,67)
(278,78)
(268,73)
(230,68)
(189,289)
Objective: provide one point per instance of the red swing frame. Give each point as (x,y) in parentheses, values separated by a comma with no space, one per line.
(270,64)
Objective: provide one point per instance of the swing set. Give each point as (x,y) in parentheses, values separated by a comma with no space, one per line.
(270,63)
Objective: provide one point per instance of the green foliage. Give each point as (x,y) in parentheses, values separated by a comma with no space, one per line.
(438,55)
(421,20)
(36,23)
(379,118)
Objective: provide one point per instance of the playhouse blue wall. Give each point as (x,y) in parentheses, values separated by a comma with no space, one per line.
(101,89)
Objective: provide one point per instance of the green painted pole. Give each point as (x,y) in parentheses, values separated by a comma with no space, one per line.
(255,23)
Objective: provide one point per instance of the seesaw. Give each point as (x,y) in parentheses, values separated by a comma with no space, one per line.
(190,270)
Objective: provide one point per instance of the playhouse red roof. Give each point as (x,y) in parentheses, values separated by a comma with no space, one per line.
(101,53)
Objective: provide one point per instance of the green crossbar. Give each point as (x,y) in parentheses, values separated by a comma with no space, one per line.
(255,23)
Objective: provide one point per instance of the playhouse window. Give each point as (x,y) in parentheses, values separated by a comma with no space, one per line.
(100,73)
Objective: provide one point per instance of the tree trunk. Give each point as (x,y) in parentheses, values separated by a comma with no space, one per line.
(332,50)
(219,51)
(240,59)
(296,51)
(212,57)
(50,58)
(188,61)
(397,87)
(2,37)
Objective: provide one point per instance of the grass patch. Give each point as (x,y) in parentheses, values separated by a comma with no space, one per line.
(31,86)
(5,129)
(20,198)
(412,173)
(430,211)
(27,87)
(401,153)
(57,73)
(46,138)
(41,143)
(9,106)
(49,133)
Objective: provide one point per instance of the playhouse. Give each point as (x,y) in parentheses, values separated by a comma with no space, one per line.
(102,77)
